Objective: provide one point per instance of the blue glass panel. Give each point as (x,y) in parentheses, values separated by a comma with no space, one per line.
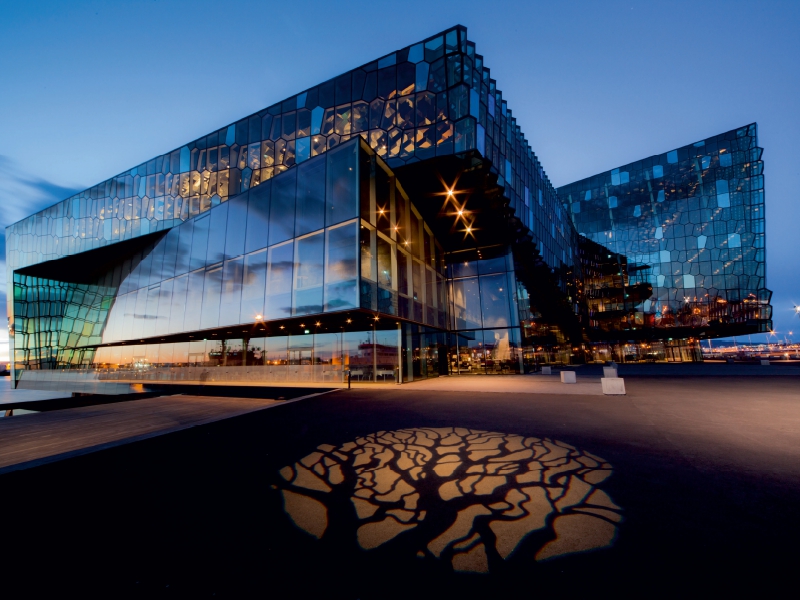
(253,286)
(310,211)
(308,275)
(282,208)
(184,248)
(231,298)
(342,184)
(237,225)
(466,303)
(199,243)
(211,293)
(178,304)
(194,300)
(258,217)
(216,234)
(280,266)
(494,301)
(341,267)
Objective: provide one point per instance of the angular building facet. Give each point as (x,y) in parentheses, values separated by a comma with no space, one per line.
(684,232)
(391,223)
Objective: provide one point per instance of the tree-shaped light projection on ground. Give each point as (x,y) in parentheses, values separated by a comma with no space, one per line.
(463,495)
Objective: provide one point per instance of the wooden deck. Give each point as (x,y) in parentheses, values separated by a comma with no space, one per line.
(33,439)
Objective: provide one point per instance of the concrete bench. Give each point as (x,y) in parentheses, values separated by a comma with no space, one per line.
(547,371)
(613,386)
(610,372)
(568,377)
(764,363)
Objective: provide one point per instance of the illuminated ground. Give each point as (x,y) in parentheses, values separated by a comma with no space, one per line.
(687,483)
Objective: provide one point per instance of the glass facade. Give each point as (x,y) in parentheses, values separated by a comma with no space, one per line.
(392,222)
(673,245)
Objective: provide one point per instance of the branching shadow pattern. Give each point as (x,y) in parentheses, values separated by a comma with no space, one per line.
(470,498)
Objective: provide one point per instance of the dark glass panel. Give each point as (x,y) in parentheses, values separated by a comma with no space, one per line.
(282,208)
(387,82)
(289,125)
(406,75)
(376,113)
(342,184)
(258,217)
(343,88)
(312,98)
(327,94)
(437,80)
(405,112)
(241,132)
(360,118)
(358,83)
(466,303)
(426,108)
(464,269)
(370,86)
(402,272)
(494,301)
(236,226)
(303,122)
(385,267)
(266,126)
(254,125)
(310,214)
(276,128)
(492,265)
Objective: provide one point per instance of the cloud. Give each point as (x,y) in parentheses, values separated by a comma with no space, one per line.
(23,194)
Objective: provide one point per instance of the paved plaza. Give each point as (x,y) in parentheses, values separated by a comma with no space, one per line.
(469,487)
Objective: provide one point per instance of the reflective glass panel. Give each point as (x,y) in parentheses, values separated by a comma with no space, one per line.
(253,286)
(217,234)
(282,209)
(237,225)
(231,299)
(194,300)
(211,292)
(494,301)
(310,197)
(258,217)
(199,243)
(342,184)
(278,302)
(341,267)
(308,267)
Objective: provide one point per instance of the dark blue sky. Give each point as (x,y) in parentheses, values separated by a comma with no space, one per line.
(93,88)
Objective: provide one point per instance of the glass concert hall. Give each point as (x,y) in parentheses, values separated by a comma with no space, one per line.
(394,224)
